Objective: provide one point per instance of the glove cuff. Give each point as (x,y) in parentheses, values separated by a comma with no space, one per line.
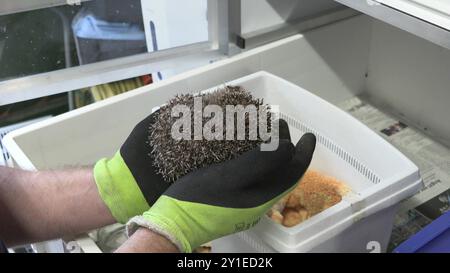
(118,188)
(164,227)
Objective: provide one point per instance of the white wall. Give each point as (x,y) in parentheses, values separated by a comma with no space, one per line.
(411,76)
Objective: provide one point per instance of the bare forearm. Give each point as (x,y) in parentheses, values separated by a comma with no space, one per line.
(146,241)
(38,206)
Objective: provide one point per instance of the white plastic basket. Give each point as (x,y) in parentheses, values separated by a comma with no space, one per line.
(378,174)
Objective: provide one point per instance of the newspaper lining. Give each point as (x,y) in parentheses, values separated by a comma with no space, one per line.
(432,158)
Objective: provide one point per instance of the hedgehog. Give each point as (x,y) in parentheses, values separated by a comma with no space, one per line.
(174,158)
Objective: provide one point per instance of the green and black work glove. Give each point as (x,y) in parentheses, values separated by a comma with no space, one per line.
(229,197)
(128,182)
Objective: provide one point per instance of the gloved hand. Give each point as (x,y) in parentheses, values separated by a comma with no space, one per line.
(228,197)
(128,182)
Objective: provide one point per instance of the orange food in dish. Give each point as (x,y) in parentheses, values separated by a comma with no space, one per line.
(315,193)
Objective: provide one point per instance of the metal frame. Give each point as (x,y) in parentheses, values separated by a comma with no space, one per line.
(218,17)
(402,20)
(83,76)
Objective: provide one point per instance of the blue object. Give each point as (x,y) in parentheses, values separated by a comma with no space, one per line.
(89,27)
(434,238)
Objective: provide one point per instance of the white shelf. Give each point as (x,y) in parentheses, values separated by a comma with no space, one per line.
(436,12)
(429,19)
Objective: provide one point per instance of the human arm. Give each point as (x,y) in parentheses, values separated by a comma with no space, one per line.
(43,205)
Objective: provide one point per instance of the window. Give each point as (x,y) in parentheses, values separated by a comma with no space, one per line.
(54,46)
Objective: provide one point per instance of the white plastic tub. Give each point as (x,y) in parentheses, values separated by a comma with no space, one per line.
(379,176)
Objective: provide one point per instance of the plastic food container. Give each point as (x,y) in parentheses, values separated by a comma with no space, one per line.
(378,174)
